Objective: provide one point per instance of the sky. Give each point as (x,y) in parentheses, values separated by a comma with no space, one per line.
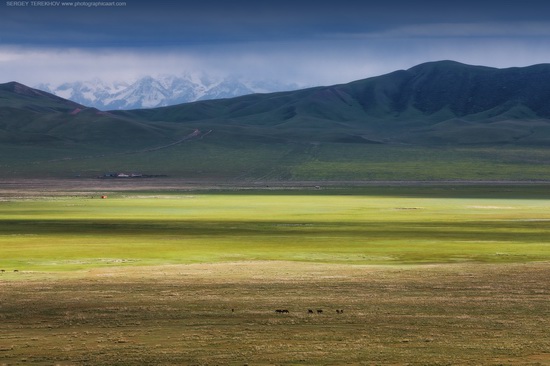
(292,41)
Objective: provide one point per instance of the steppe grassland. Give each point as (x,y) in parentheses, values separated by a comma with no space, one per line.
(195,278)
(223,313)
(53,234)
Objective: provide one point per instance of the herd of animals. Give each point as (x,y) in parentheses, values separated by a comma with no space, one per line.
(309,311)
(278,311)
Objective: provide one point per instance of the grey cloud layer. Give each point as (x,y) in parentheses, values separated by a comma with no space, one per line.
(307,42)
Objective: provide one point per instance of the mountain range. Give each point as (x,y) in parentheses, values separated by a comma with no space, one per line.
(482,121)
(164,90)
(434,103)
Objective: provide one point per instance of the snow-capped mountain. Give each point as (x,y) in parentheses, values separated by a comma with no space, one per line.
(160,91)
(90,92)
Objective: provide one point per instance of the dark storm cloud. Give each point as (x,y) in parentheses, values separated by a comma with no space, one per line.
(303,41)
(188,23)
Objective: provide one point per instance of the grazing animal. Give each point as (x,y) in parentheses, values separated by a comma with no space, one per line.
(309,311)
(285,311)
(339,311)
(16,270)
(319,311)
(2,270)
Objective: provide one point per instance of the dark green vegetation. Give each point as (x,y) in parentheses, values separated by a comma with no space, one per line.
(433,103)
(435,121)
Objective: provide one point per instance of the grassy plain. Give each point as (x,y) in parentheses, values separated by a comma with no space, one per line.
(333,226)
(225,159)
(425,275)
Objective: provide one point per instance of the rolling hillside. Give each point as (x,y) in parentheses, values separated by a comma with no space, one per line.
(32,116)
(439,120)
(434,103)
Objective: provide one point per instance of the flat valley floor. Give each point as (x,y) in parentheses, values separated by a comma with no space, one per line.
(392,275)
(225,314)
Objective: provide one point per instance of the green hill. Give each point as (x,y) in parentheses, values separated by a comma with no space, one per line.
(435,121)
(435,103)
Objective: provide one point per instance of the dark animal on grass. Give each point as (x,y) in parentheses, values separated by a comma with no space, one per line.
(16,270)
(339,311)
(2,270)
(319,311)
(309,311)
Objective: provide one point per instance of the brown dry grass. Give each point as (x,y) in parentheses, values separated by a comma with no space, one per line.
(461,314)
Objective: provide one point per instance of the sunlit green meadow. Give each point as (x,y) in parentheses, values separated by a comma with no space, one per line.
(418,275)
(353,227)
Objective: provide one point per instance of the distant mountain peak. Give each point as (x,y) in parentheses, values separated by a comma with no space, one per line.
(21,89)
(160,91)
(17,95)
(27,92)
